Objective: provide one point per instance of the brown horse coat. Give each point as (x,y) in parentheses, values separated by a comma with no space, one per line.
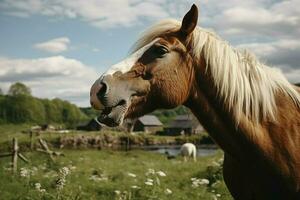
(249,109)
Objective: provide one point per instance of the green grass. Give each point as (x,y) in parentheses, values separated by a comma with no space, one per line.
(115,166)
(98,174)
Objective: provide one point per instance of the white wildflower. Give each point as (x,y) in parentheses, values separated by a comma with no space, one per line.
(64,171)
(221,160)
(150,172)
(131,174)
(135,187)
(93,177)
(24,172)
(117,192)
(215,184)
(42,190)
(149,180)
(98,178)
(37,186)
(149,183)
(204,181)
(197,182)
(161,173)
(218,195)
(60,183)
(168,191)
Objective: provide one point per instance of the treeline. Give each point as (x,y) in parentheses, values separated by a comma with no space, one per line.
(165,116)
(18,106)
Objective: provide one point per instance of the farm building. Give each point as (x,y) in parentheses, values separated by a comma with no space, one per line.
(148,124)
(92,125)
(184,124)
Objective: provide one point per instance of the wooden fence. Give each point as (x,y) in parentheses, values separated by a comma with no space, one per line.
(15,154)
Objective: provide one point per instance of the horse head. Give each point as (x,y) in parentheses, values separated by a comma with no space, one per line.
(156,75)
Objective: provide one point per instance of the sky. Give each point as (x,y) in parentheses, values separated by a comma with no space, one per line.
(59,48)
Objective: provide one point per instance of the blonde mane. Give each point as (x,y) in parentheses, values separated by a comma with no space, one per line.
(246,85)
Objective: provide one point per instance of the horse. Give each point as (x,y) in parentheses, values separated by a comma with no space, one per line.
(188,150)
(249,109)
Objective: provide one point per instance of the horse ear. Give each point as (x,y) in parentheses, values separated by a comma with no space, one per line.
(189,21)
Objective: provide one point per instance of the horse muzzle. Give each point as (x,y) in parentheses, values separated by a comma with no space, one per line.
(113,94)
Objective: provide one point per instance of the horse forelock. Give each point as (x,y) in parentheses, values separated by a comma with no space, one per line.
(126,64)
(245,85)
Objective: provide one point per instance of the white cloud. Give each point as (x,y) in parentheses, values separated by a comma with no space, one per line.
(282,53)
(50,77)
(266,49)
(56,45)
(293,76)
(259,19)
(103,14)
(269,28)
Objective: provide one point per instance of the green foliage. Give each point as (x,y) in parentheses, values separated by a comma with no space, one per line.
(18,88)
(1,92)
(166,116)
(28,109)
(20,107)
(90,112)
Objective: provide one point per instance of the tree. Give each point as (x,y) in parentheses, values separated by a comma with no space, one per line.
(1,92)
(18,89)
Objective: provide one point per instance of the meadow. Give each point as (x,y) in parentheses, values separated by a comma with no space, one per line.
(111,175)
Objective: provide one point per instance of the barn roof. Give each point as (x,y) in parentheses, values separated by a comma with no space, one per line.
(150,120)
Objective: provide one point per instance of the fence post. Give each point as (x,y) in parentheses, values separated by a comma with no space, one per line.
(15,155)
(31,140)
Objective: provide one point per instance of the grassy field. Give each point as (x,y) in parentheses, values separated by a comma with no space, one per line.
(110,175)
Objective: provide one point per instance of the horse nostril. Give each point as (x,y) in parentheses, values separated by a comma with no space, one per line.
(102,91)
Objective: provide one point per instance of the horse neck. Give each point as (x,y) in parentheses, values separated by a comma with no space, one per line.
(203,101)
(269,144)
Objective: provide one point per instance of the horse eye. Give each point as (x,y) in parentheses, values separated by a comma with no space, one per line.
(160,51)
(147,76)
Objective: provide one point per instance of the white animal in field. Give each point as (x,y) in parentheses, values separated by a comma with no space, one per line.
(188,150)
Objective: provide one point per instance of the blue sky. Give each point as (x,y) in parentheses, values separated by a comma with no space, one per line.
(59,48)
(93,46)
